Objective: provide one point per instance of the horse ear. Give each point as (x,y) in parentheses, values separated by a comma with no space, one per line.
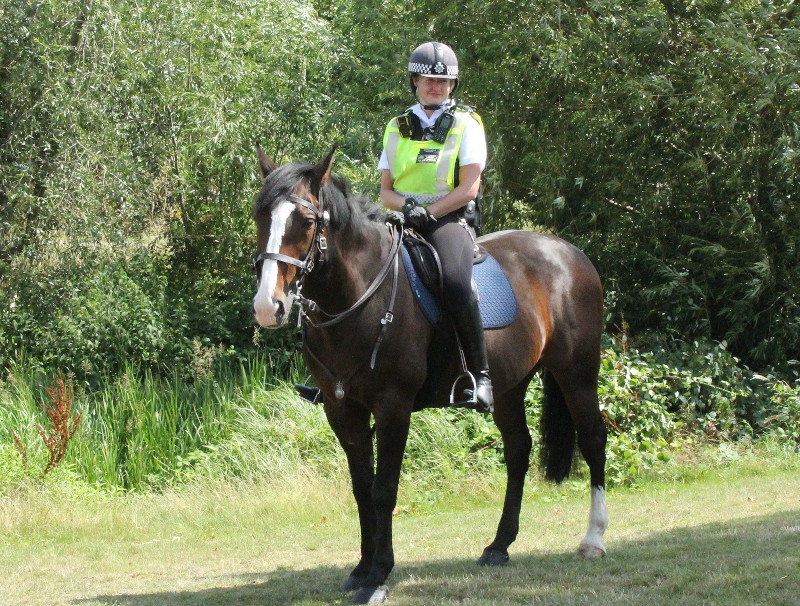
(264,163)
(322,170)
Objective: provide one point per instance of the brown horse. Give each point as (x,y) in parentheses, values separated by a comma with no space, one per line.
(366,342)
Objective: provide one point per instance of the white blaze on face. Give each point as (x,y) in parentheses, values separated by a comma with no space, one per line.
(265,304)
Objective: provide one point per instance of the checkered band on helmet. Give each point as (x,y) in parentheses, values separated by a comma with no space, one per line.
(423,69)
(435,60)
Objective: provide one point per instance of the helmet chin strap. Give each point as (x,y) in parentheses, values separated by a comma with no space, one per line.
(447,104)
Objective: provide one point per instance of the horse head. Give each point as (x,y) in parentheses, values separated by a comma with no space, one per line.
(292,223)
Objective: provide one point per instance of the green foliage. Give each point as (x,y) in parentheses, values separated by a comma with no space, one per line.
(128,139)
(660,137)
(13,471)
(784,409)
(139,432)
(676,395)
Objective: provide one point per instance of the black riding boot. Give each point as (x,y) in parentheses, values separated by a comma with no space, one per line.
(309,393)
(467,319)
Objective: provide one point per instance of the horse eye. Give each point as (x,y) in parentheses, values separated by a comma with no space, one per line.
(308,224)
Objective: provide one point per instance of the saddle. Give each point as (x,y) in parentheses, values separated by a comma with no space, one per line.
(496,299)
(424,260)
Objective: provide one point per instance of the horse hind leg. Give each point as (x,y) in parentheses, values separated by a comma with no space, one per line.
(591,546)
(565,415)
(509,417)
(592,435)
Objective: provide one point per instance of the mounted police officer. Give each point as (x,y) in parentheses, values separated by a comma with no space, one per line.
(431,167)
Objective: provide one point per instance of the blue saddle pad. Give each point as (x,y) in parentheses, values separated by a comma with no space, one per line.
(497,302)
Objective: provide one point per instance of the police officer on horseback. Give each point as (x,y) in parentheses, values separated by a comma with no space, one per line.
(433,156)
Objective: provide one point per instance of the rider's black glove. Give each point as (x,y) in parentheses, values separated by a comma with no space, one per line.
(416,216)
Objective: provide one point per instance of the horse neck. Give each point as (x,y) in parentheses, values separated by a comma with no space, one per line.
(354,260)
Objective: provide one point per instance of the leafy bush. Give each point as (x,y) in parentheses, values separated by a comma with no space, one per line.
(140,432)
(128,135)
(784,411)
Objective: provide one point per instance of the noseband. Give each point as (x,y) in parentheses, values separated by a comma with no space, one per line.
(316,250)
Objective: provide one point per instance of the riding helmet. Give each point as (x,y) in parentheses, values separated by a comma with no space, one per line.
(434,60)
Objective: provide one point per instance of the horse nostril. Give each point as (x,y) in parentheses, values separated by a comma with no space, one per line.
(279,311)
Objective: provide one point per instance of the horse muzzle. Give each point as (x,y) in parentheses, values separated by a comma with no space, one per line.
(272,312)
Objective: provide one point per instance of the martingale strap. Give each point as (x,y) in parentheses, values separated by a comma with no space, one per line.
(392,263)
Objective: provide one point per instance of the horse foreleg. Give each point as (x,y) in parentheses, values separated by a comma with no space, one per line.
(351,426)
(510,419)
(391,433)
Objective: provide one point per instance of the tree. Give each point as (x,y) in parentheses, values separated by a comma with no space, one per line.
(659,136)
(128,133)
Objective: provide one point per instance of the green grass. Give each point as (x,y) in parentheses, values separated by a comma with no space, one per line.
(240,419)
(724,530)
(230,490)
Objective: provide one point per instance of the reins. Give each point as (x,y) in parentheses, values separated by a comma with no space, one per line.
(392,263)
(376,283)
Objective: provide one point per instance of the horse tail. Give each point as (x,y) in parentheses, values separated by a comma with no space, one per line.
(557,432)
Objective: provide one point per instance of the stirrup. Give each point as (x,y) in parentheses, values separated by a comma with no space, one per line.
(471,392)
(469,403)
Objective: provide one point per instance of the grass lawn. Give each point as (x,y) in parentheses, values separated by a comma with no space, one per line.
(727,536)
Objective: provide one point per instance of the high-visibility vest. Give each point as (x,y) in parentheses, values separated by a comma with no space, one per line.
(425,170)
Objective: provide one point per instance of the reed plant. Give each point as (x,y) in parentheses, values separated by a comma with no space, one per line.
(240,420)
(141,431)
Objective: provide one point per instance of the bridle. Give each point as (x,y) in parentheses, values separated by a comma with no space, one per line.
(317,253)
(317,249)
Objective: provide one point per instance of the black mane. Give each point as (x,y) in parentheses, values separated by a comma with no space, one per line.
(346,210)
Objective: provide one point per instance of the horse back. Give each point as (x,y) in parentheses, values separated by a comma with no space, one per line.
(560,305)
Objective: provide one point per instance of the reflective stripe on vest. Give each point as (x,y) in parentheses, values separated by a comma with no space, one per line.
(424,170)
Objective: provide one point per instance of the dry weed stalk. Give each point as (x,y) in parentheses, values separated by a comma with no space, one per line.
(64,424)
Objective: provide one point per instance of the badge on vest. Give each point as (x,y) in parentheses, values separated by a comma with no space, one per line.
(428,156)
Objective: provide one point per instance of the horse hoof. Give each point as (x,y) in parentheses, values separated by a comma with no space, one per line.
(352,583)
(591,552)
(492,557)
(371,595)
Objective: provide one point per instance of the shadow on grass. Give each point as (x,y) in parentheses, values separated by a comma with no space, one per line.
(750,561)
